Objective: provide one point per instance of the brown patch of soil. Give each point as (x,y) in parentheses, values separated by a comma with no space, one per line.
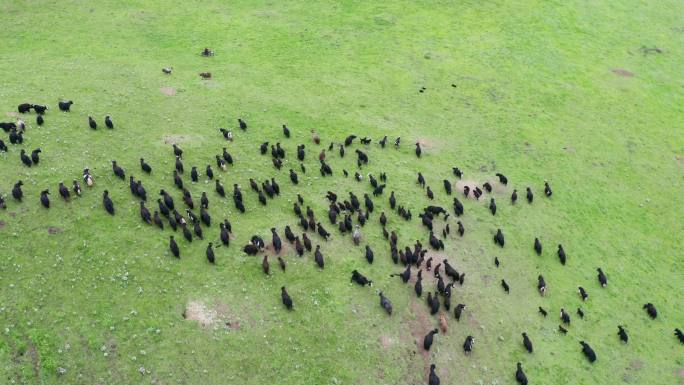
(286,247)
(569,149)
(487,280)
(419,327)
(680,372)
(224,311)
(197,311)
(636,364)
(2,224)
(12,114)
(54,230)
(385,341)
(207,316)
(680,158)
(622,72)
(168,91)
(32,353)
(472,322)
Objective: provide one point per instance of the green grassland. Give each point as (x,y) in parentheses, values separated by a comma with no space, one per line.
(542,90)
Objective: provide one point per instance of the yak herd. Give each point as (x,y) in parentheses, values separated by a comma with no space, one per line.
(347,213)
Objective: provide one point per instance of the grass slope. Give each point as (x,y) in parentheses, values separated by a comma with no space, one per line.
(536,98)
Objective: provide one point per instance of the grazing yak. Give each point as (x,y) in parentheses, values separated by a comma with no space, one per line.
(459,310)
(651,310)
(679,335)
(145,167)
(360,279)
(602,278)
(527,343)
(287,301)
(468,345)
(318,256)
(65,106)
(427,340)
(537,246)
(433,379)
(385,303)
(44,199)
(39,109)
(107,202)
(405,275)
(541,285)
(582,293)
(210,253)
(64,191)
(505,286)
(173,246)
(520,376)
(24,108)
(565,317)
(561,254)
(25,159)
(622,334)
(502,178)
(588,351)
(499,238)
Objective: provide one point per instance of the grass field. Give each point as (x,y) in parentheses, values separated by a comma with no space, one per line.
(570,92)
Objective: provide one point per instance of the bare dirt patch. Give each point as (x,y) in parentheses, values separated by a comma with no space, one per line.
(680,158)
(419,327)
(168,91)
(2,224)
(198,311)
(385,341)
(12,114)
(208,316)
(636,364)
(472,321)
(32,353)
(622,72)
(286,248)
(487,280)
(53,230)
(680,372)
